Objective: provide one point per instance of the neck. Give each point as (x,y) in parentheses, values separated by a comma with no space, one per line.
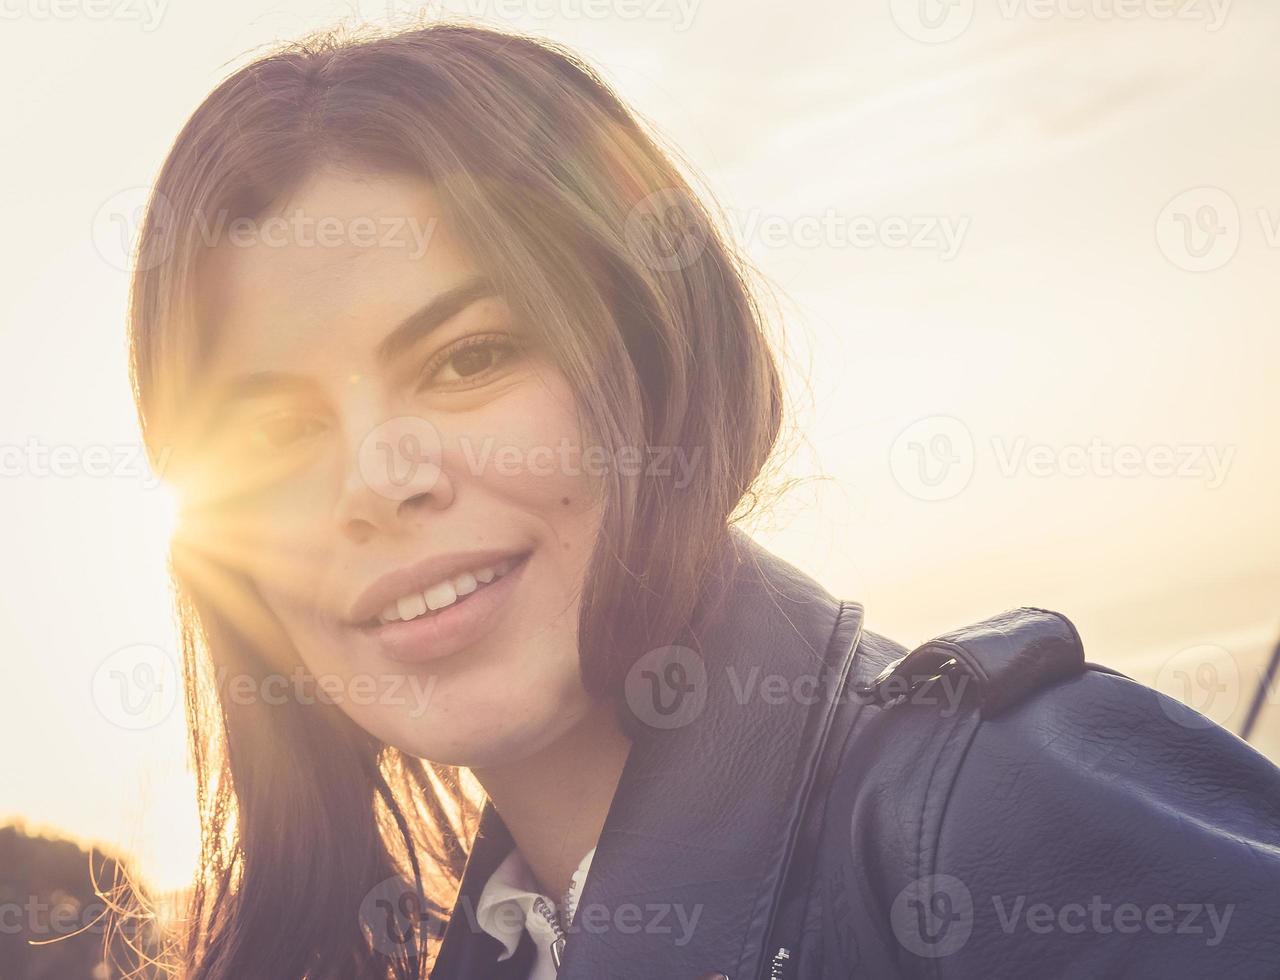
(555,802)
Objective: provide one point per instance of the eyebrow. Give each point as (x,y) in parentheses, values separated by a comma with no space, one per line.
(402,337)
(441,309)
(259,383)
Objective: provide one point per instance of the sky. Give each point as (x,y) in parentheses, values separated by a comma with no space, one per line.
(1021,255)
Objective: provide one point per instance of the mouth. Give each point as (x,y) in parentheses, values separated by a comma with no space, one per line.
(447,615)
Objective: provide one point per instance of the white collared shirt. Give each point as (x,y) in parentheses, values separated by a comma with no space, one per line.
(506,909)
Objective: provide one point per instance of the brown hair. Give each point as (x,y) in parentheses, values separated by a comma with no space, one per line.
(590,232)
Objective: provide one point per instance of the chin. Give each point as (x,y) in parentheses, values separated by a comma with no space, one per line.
(494,736)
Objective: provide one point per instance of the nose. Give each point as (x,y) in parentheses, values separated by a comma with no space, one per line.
(395,477)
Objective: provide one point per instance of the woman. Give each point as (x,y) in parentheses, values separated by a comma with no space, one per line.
(463,393)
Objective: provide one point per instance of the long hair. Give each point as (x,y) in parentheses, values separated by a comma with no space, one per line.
(593,236)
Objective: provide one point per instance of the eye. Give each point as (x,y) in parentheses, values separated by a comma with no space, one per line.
(470,361)
(278,432)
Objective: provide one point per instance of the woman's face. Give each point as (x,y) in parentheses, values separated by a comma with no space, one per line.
(412,510)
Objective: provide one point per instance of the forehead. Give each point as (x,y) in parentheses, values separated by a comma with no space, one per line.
(328,271)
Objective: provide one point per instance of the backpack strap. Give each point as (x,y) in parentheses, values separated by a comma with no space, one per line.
(1008,657)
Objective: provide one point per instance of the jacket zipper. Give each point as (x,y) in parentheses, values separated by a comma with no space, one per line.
(778,966)
(543,908)
(559,924)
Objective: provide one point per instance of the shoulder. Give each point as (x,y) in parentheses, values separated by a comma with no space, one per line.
(1092,827)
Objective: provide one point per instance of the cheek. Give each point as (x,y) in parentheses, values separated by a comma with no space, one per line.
(276,535)
(529,451)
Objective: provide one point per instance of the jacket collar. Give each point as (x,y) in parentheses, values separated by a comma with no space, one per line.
(691,858)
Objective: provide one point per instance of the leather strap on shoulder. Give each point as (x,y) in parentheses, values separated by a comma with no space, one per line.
(1008,657)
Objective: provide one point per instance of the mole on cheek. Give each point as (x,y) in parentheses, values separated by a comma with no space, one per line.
(565,501)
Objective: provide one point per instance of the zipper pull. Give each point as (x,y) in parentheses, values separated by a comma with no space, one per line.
(557,951)
(778,968)
(543,908)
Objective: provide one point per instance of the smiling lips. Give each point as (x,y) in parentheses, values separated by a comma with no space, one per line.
(445,593)
(444,618)
(438,607)
(430,585)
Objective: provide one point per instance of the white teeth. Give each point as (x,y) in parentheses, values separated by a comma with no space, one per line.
(411,606)
(445,593)
(439,596)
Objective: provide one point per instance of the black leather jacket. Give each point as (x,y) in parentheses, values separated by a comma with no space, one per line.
(1020,814)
